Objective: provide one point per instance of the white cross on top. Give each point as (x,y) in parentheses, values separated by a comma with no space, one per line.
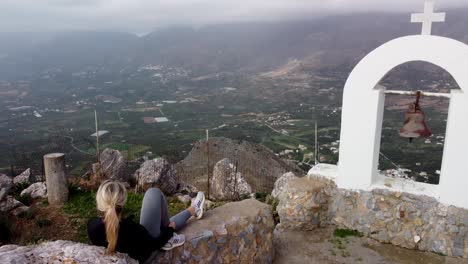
(427,18)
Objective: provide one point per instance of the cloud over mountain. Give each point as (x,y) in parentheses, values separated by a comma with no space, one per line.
(146,15)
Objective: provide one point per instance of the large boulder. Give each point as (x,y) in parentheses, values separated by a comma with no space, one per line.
(23,177)
(60,252)
(281,183)
(6,183)
(157,173)
(240,232)
(36,190)
(113,165)
(226,183)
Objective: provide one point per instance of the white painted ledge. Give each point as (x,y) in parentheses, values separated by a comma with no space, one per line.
(330,171)
(407,186)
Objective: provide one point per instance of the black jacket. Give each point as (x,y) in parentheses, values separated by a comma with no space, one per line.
(133,238)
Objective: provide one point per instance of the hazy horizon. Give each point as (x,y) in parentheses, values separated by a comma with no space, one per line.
(143,16)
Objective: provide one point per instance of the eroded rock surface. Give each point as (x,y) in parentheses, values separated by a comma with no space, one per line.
(303,203)
(281,183)
(6,183)
(60,252)
(227,183)
(157,173)
(9,203)
(36,190)
(113,165)
(23,177)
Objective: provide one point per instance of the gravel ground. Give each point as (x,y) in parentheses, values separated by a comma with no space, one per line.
(321,246)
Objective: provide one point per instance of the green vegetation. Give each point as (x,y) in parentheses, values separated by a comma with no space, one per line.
(268,199)
(261,196)
(17,189)
(346,233)
(340,246)
(82,205)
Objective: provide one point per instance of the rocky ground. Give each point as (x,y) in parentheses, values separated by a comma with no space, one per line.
(322,246)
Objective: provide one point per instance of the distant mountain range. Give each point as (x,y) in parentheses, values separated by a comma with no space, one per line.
(251,47)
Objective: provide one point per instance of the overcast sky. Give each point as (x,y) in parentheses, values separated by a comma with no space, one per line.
(141,16)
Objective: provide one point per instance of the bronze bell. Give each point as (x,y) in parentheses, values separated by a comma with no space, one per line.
(415,124)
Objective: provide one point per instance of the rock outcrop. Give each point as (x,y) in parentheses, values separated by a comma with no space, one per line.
(10,204)
(60,252)
(113,165)
(157,173)
(281,183)
(23,177)
(227,183)
(240,232)
(6,183)
(36,190)
(258,164)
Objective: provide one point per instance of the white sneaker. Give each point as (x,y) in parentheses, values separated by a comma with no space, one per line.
(175,241)
(198,203)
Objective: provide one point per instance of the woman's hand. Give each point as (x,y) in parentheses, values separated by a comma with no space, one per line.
(172,224)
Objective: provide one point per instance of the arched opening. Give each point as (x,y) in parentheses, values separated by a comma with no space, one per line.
(363,111)
(421,159)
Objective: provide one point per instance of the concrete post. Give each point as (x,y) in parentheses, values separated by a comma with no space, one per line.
(56,179)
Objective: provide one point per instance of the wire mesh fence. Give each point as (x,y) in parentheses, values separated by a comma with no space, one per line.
(259,166)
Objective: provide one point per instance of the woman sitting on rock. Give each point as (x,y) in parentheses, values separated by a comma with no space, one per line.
(155,230)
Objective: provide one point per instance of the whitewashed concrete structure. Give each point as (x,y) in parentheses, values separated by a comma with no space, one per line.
(363,107)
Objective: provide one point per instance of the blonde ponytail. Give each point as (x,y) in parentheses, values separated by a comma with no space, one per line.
(110,198)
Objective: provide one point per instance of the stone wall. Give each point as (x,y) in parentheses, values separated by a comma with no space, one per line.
(240,232)
(403,219)
(303,203)
(406,220)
